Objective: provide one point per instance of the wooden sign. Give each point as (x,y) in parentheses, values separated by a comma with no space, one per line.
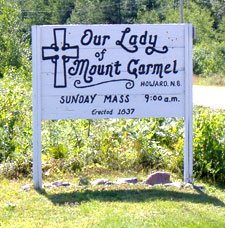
(111,71)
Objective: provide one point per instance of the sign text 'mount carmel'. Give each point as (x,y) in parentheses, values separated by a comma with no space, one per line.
(111,71)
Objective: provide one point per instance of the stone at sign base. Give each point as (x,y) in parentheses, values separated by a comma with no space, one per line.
(158,178)
(99,181)
(174,184)
(133,180)
(26,187)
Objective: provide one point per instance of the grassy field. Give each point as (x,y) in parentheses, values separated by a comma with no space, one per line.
(216,80)
(118,206)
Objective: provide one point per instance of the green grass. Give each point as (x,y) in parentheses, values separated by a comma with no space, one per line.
(214,80)
(116,206)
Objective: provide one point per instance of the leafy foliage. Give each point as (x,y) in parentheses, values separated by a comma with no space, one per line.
(103,12)
(209,59)
(15,121)
(209,144)
(14,45)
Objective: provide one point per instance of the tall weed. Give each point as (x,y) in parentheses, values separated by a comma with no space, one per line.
(15,119)
(209,144)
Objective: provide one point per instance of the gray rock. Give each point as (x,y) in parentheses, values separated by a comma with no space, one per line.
(188,185)
(47,185)
(60,183)
(99,181)
(26,187)
(198,188)
(110,183)
(156,185)
(147,185)
(158,178)
(174,184)
(65,184)
(133,180)
(57,183)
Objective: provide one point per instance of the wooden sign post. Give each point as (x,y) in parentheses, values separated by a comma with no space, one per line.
(111,71)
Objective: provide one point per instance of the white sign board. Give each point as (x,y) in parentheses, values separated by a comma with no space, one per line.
(111,71)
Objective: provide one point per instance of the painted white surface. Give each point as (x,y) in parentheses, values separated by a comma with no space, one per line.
(188,117)
(36,109)
(138,61)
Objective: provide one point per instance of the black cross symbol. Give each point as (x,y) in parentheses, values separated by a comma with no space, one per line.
(60,53)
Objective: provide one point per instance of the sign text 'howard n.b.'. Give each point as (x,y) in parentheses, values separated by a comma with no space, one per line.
(111,71)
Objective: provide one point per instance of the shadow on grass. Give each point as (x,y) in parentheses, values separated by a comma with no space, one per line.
(144,195)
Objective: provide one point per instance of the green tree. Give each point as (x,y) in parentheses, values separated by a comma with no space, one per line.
(63,10)
(200,18)
(37,12)
(86,12)
(216,7)
(221,31)
(103,12)
(14,45)
(129,11)
(112,11)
